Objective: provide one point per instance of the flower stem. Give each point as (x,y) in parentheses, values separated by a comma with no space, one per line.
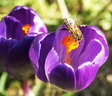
(63,8)
(26,89)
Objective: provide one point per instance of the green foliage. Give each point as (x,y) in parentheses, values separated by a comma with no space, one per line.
(3,79)
(68,94)
(90,12)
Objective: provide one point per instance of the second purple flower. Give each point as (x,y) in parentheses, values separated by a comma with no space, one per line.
(17,31)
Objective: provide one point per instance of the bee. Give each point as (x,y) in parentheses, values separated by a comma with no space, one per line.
(73,29)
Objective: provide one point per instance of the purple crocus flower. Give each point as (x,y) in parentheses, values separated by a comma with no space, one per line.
(17,31)
(70,70)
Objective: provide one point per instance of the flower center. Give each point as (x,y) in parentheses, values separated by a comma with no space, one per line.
(25,28)
(70,44)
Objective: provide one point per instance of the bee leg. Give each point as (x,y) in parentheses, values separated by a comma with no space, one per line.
(64,29)
(69,38)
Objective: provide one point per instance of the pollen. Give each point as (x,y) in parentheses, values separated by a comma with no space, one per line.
(71,44)
(25,28)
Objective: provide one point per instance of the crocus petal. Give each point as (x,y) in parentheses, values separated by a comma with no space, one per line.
(85,74)
(34,51)
(63,77)
(60,49)
(52,60)
(29,16)
(38,53)
(11,28)
(92,32)
(2,29)
(2,61)
(5,44)
(88,54)
(23,14)
(18,58)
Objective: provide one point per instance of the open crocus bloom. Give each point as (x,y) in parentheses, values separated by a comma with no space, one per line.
(17,31)
(71,69)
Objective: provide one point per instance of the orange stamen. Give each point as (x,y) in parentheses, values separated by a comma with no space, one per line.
(69,45)
(25,28)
